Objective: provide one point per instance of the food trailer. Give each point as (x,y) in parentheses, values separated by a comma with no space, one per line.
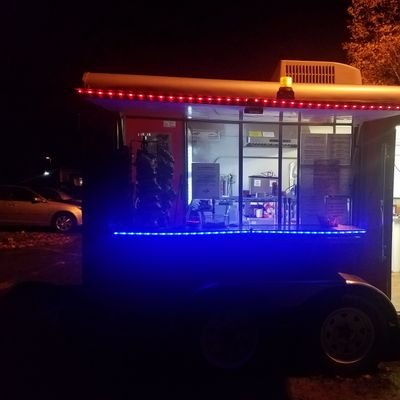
(283,187)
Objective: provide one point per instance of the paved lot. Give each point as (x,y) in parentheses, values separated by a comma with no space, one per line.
(53,344)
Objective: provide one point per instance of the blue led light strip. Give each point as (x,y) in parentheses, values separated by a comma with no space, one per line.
(249,232)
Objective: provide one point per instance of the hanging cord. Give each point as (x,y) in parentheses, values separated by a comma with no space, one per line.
(179,195)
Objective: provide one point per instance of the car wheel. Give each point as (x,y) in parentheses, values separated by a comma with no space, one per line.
(350,334)
(229,339)
(64,222)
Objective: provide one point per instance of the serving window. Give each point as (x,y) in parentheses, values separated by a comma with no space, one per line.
(278,169)
(228,169)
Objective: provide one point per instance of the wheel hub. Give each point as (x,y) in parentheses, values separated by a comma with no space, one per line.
(347,335)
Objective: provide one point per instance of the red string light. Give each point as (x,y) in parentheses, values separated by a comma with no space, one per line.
(121,94)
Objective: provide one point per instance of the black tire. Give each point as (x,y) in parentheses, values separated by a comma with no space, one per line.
(349,333)
(64,222)
(226,339)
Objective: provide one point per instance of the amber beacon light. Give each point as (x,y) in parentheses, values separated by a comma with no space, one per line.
(285,90)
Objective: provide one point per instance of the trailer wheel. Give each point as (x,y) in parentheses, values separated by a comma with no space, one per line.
(350,336)
(229,338)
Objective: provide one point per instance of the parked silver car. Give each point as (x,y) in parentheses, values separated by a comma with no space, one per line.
(55,194)
(21,206)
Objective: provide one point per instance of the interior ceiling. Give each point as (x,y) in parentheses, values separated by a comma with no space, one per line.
(223,112)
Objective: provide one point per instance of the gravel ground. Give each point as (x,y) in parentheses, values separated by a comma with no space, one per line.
(382,385)
(27,239)
(39,256)
(53,258)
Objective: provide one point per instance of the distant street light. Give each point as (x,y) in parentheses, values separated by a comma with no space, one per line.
(48,169)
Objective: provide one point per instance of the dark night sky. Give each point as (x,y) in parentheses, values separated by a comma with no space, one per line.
(47,46)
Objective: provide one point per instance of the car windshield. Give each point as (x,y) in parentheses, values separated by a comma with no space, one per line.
(64,196)
(54,194)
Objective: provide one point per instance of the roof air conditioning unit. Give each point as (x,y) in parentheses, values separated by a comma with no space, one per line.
(320,72)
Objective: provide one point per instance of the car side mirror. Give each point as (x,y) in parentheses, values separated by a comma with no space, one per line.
(38,200)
